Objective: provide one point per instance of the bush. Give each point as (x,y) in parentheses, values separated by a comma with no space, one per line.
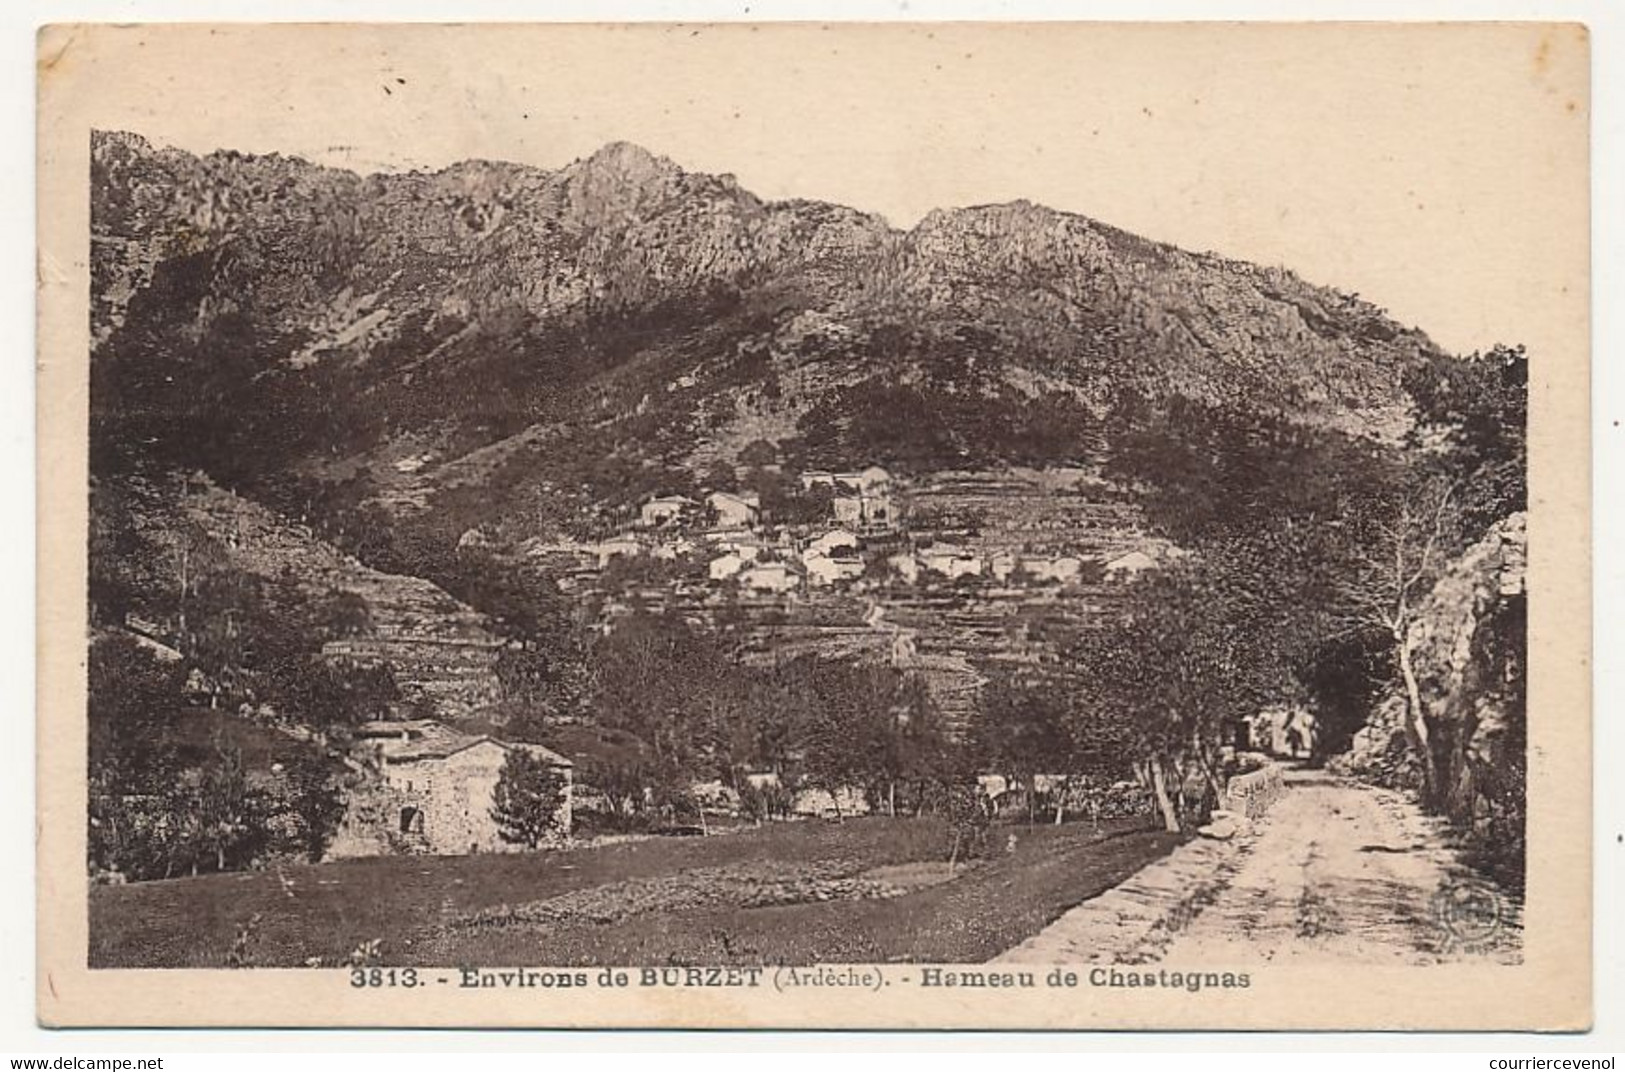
(764,803)
(969,816)
(598,822)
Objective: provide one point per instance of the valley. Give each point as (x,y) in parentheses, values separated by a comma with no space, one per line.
(633,567)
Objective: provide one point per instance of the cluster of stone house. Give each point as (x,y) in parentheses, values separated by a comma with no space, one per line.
(862,500)
(761,566)
(426,787)
(725,530)
(728,510)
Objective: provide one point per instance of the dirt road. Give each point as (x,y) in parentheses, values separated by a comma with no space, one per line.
(1334,872)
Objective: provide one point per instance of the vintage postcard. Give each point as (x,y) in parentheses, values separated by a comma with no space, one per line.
(843,526)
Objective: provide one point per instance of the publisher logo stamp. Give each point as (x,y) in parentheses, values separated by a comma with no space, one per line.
(1469,913)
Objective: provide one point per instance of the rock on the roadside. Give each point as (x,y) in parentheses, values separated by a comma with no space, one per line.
(1222,827)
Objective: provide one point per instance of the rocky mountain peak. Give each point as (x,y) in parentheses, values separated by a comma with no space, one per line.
(629,159)
(621,181)
(102,141)
(624,165)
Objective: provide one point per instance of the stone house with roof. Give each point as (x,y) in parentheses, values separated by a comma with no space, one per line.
(775,577)
(832,558)
(427,787)
(735,510)
(665,510)
(862,499)
(950,561)
(1125,567)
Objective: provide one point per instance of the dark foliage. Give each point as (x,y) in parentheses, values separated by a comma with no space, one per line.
(527,800)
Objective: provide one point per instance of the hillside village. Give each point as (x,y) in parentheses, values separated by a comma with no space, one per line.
(912,575)
(869,535)
(907,574)
(934,575)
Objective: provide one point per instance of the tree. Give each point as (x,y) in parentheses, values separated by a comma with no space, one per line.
(1191,653)
(836,740)
(843,731)
(669,685)
(528,797)
(317,800)
(915,750)
(1470,443)
(231,816)
(113,545)
(217,606)
(527,676)
(1471,424)
(213,820)
(1396,560)
(333,694)
(524,604)
(786,502)
(758,454)
(1021,730)
(132,697)
(620,780)
(765,800)
(969,817)
(343,614)
(764,730)
(720,476)
(133,759)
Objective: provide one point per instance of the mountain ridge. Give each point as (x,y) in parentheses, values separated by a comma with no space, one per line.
(270,315)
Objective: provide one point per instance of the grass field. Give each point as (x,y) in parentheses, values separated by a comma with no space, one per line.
(867,890)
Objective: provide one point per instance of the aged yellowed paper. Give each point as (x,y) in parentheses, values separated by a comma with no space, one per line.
(786,525)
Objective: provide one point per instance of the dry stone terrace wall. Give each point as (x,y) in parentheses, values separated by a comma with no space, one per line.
(438,647)
(456,675)
(1028,511)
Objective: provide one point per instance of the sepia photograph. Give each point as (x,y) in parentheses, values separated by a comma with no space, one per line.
(950,513)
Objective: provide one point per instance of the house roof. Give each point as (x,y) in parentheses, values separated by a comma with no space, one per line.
(445,748)
(1134,560)
(834,537)
(427,739)
(396,727)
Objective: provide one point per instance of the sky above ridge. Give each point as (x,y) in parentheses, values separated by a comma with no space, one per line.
(1439,171)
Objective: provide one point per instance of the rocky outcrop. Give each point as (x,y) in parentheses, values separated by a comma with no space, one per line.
(1468,647)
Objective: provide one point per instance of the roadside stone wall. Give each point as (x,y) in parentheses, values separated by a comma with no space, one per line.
(1251,795)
